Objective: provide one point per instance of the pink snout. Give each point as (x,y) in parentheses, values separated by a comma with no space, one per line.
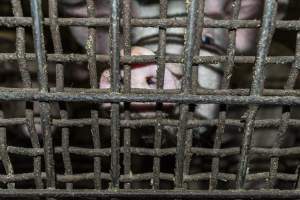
(144,76)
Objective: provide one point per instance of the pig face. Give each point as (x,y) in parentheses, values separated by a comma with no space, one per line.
(214,42)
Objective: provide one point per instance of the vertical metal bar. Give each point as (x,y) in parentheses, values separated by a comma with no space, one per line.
(281,134)
(224,85)
(115,87)
(197,44)
(37,161)
(191,32)
(26,79)
(4,154)
(160,85)
(115,46)
(20,45)
(55,33)
(162,46)
(38,35)
(65,131)
(91,53)
(91,45)
(297,183)
(97,145)
(39,44)
(127,81)
(266,33)
(188,153)
(195,84)
(189,49)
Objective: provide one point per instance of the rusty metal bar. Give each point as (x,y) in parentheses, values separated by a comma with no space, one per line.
(266,33)
(94,83)
(33,95)
(186,88)
(57,43)
(286,113)
(26,79)
(5,159)
(225,84)
(150,59)
(20,44)
(38,35)
(291,25)
(127,12)
(129,194)
(115,87)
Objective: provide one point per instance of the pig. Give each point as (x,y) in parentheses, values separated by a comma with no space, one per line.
(145,42)
(148,39)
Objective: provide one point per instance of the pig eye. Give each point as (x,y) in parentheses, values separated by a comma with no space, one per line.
(207,40)
(151,80)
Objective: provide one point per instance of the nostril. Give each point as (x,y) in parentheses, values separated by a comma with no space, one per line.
(151,80)
(207,40)
(122,81)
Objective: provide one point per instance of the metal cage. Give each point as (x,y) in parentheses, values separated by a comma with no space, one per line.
(50,181)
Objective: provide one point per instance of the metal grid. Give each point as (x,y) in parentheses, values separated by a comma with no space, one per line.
(189,94)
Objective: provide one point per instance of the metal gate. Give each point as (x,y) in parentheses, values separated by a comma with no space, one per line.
(52,170)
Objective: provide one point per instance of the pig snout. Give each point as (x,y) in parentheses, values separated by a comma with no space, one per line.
(144,76)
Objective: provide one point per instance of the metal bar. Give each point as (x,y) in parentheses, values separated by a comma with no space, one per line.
(6,162)
(58,49)
(286,114)
(18,95)
(77,178)
(291,25)
(199,151)
(127,10)
(202,92)
(37,162)
(150,59)
(225,83)
(125,194)
(20,44)
(26,79)
(197,44)
(94,83)
(266,33)
(115,87)
(91,45)
(36,12)
(186,88)
(163,11)
(135,123)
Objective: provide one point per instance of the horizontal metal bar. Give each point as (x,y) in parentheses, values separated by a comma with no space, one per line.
(199,151)
(135,123)
(170,194)
(65,178)
(168,23)
(24,95)
(221,92)
(148,59)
